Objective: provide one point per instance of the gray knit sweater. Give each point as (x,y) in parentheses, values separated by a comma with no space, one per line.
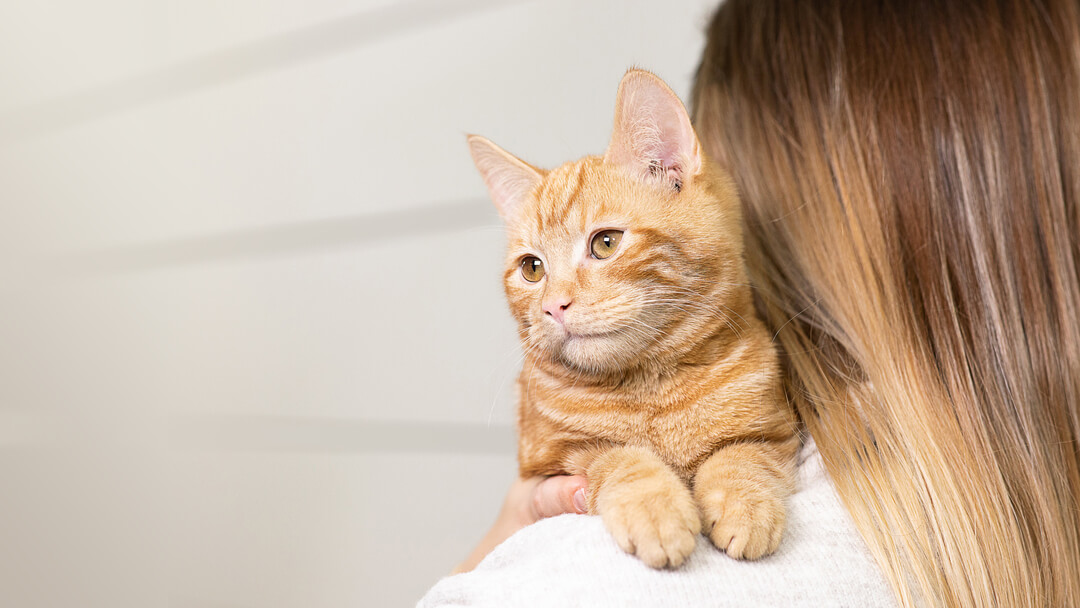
(571,560)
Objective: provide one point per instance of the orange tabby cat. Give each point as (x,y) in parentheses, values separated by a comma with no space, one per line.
(646,368)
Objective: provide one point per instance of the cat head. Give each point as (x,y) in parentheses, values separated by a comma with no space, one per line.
(624,258)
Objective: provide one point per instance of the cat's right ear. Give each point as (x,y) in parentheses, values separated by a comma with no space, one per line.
(509,179)
(653,137)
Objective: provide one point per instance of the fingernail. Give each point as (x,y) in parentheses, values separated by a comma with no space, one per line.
(579,500)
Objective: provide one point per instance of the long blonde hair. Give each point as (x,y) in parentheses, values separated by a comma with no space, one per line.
(911,179)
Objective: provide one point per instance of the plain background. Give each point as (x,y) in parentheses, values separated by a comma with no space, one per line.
(253,345)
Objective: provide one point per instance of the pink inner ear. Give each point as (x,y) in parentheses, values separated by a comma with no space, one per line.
(653,136)
(657,132)
(509,180)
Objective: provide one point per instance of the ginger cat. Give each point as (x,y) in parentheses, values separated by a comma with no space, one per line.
(646,368)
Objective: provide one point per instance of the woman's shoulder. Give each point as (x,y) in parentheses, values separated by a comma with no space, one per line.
(571,560)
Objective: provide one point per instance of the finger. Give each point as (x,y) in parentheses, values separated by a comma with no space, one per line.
(560,494)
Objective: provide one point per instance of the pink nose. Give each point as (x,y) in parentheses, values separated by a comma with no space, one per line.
(556,308)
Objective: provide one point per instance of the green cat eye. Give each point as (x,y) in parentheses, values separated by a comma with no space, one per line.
(532,269)
(605,243)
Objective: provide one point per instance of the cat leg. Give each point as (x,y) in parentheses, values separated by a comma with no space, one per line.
(742,489)
(644,505)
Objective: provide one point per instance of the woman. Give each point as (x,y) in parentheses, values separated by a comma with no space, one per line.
(911,177)
(910,173)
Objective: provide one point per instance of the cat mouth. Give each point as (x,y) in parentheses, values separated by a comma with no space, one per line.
(576,335)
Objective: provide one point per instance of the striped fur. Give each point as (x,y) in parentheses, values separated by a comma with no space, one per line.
(664,386)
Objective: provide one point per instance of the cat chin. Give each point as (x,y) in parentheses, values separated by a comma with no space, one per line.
(597,352)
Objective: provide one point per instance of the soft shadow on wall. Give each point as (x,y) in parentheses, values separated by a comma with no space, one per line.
(255,351)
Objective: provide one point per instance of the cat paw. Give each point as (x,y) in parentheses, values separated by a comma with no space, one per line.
(743,524)
(656,521)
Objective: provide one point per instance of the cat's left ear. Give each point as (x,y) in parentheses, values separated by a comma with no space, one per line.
(509,179)
(653,137)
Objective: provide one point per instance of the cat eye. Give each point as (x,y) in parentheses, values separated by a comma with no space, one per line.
(605,243)
(532,269)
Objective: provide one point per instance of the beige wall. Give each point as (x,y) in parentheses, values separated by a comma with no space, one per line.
(253,347)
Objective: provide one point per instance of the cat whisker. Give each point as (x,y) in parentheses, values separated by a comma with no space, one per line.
(532,367)
(705,305)
(498,391)
(795,316)
(502,384)
(699,308)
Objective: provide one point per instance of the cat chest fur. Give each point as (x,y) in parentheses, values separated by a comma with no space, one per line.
(561,429)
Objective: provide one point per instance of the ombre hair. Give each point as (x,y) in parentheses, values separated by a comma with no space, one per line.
(910,171)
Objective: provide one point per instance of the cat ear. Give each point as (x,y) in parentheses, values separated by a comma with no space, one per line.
(508,178)
(653,137)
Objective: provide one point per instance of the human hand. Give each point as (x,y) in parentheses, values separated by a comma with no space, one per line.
(527,502)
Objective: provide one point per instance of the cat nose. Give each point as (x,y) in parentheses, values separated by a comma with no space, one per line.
(555,308)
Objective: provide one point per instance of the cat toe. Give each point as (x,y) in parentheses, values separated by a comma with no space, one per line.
(660,533)
(664,541)
(744,529)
